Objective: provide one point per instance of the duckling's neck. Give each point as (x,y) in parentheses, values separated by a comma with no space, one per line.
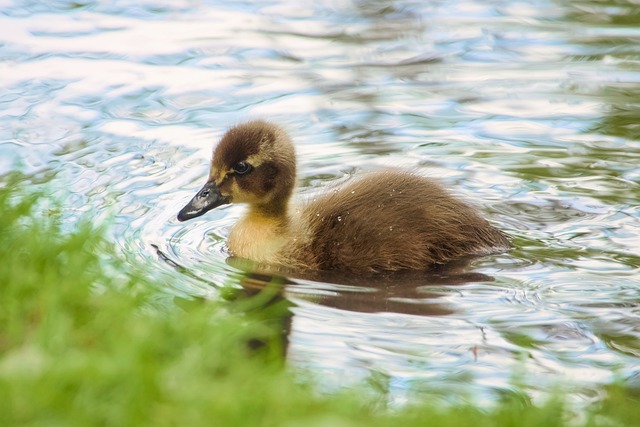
(261,233)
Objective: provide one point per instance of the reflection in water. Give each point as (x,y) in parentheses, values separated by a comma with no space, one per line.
(410,293)
(405,292)
(608,40)
(302,309)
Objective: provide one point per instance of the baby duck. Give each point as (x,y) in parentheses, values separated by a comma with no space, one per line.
(387,220)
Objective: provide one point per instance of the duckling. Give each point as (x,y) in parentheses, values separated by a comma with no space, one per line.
(382,221)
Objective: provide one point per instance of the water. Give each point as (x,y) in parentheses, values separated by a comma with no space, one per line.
(530,109)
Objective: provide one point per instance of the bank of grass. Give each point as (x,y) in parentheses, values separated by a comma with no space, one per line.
(80,346)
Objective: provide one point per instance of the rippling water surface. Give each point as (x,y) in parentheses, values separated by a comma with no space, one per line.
(531,109)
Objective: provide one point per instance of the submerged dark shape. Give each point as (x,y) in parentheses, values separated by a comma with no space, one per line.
(388,220)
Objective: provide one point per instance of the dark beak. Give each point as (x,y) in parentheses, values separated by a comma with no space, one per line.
(207,198)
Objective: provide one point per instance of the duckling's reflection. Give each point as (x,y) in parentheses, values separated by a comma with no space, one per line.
(399,292)
(409,292)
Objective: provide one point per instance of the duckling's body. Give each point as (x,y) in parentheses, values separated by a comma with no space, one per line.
(387,220)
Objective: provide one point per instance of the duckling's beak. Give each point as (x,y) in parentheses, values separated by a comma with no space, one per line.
(207,198)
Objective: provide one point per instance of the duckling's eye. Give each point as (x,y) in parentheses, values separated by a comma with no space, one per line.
(242,167)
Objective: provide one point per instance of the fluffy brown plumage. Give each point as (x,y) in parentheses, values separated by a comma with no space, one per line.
(387,220)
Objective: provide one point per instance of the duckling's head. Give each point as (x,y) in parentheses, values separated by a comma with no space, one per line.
(254,163)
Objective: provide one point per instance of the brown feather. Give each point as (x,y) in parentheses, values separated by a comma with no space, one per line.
(392,220)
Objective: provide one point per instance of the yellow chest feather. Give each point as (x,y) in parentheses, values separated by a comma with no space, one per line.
(258,238)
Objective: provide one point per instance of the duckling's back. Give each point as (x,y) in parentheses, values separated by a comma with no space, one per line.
(391,220)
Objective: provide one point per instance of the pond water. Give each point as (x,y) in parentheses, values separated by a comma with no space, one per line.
(530,109)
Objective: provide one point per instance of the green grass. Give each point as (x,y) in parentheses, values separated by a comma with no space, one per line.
(83,342)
